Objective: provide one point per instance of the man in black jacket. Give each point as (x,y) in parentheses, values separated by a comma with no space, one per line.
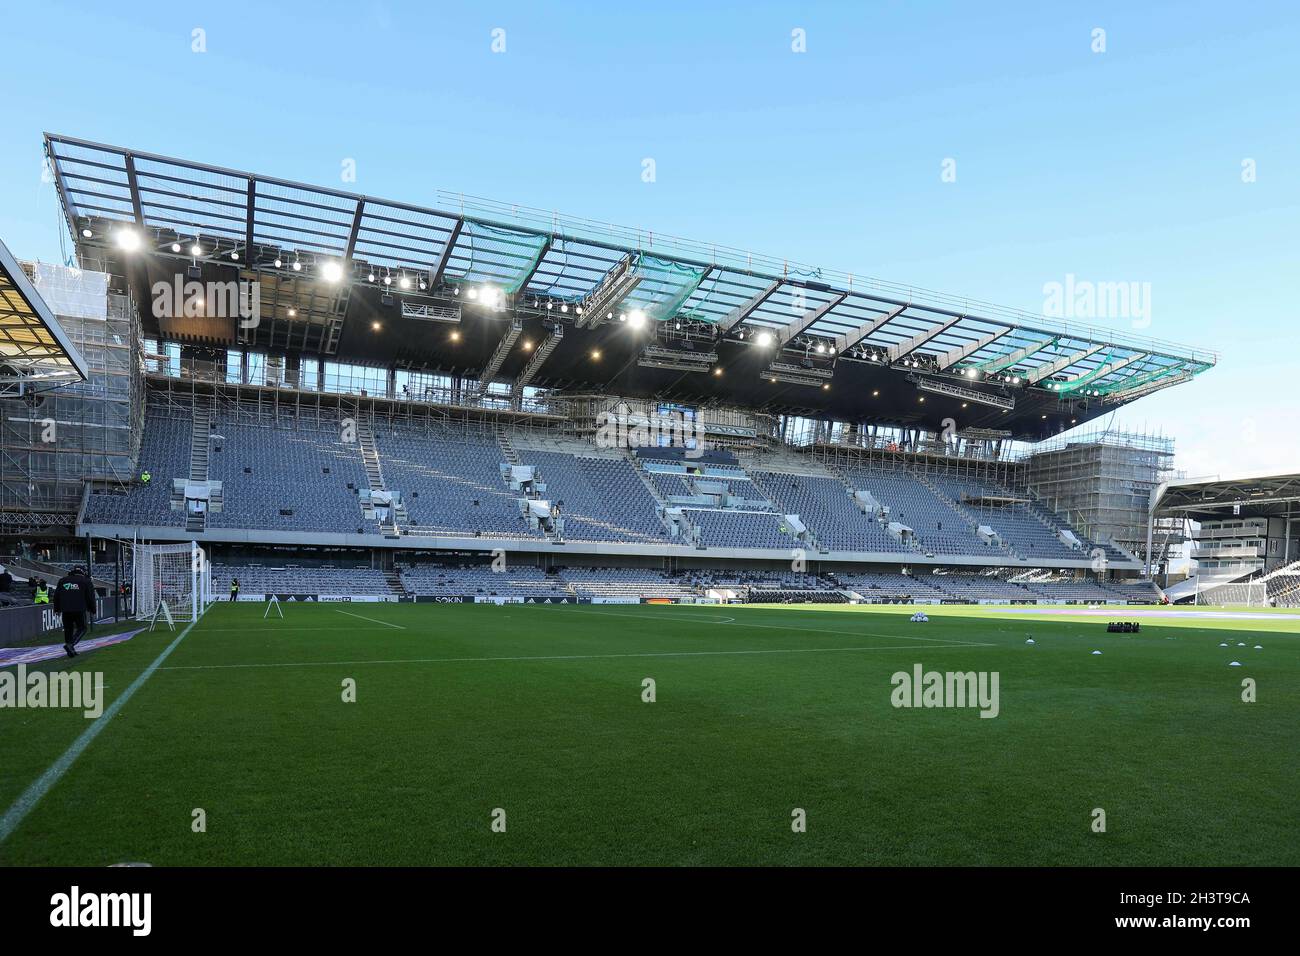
(74,598)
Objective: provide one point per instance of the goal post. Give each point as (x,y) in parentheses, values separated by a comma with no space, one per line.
(178,574)
(1247,594)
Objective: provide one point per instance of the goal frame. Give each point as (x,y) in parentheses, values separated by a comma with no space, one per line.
(1236,594)
(179,574)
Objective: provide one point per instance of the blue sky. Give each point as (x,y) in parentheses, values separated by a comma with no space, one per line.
(1120,166)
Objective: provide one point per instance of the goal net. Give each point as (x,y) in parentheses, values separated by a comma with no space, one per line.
(178,574)
(1249,594)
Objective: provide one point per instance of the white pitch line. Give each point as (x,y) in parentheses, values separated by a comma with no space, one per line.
(652,615)
(27,801)
(372,620)
(782,627)
(553,657)
(350,628)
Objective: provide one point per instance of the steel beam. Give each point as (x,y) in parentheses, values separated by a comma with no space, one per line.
(1101,372)
(950,358)
(441,266)
(739,314)
(848,340)
(1051,368)
(533,267)
(901,349)
(136,208)
(352,233)
(808,319)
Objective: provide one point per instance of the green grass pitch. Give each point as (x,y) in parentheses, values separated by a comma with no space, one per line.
(759,711)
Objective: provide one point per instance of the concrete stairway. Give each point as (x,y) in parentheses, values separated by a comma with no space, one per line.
(810,536)
(507,449)
(691,533)
(838,473)
(200,449)
(972,521)
(375,479)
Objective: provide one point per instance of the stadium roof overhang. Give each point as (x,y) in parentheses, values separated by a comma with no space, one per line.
(382,282)
(35,352)
(1252,496)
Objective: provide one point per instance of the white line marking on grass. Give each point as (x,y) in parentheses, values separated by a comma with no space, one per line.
(348,628)
(901,637)
(810,630)
(27,801)
(552,657)
(373,620)
(652,615)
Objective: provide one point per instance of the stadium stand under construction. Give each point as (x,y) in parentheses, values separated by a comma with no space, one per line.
(342,397)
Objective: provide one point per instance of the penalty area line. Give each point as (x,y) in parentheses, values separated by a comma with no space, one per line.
(27,801)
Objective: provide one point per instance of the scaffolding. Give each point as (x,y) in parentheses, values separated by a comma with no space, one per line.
(174,396)
(52,441)
(1101,481)
(237,372)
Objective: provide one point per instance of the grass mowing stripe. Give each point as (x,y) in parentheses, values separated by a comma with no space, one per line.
(559,657)
(33,794)
(372,620)
(566,745)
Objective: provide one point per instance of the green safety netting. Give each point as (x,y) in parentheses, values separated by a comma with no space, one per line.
(498,256)
(1145,378)
(664,286)
(1084,379)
